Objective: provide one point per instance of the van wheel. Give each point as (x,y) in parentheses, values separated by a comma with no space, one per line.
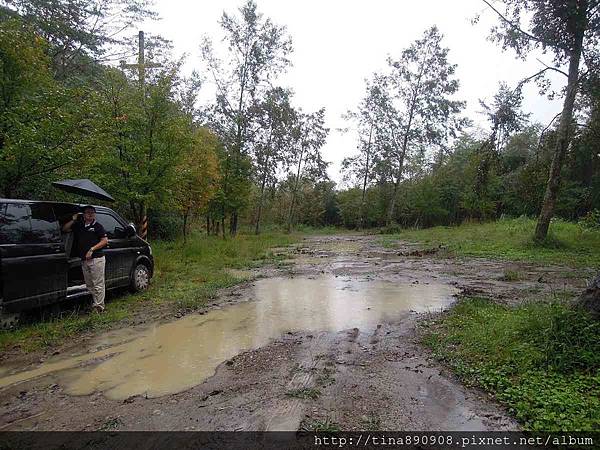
(9,321)
(140,278)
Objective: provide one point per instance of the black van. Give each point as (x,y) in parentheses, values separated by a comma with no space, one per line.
(39,264)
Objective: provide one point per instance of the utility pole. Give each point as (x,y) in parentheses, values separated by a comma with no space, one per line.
(141,64)
(141,68)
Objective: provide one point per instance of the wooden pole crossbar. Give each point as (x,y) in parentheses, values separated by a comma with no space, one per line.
(141,65)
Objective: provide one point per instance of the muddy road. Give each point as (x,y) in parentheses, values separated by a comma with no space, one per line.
(327,340)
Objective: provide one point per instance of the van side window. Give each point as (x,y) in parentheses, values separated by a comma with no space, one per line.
(15,226)
(114,229)
(44,226)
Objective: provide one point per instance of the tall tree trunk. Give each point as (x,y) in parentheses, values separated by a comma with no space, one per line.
(294,192)
(366,178)
(562,143)
(402,156)
(260,204)
(208,224)
(233,223)
(262,186)
(134,212)
(185,219)
(405,140)
(139,213)
(233,220)
(392,207)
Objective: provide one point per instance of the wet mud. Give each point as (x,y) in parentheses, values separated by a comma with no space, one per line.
(328,338)
(172,357)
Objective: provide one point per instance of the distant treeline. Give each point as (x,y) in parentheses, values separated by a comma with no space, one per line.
(457,189)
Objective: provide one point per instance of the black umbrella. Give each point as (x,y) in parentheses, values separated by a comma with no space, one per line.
(83,187)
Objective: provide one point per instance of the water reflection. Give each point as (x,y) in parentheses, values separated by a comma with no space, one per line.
(172,357)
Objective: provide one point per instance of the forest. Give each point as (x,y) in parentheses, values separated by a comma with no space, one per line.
(251,159)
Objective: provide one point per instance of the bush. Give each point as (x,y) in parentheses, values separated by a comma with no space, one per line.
(391,229)
(591,221)
(572,341)
(542,360)
(164,225)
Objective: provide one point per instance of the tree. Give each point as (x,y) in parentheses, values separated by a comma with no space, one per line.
(304,158)
(418,105)
(316,204)
(257,51)
(274,117)
(197,175)
(569,30)
(505,118)
(367,117)
(144,134)
(80,33)
(44,127)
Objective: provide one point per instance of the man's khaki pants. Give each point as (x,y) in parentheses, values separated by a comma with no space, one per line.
(93,273)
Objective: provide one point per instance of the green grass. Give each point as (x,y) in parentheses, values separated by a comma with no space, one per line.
(300,228)
(326,377)
(541,360)
(321,426)
(111,424)
(304,393)
(186,278)
(512,275)
(371,423)
(190,275)
(512,239)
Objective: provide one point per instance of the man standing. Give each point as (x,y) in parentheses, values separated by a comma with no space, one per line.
(90,238)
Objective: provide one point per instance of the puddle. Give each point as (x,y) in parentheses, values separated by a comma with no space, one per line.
(169,358)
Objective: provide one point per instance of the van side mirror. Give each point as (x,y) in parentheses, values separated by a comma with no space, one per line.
(130,230)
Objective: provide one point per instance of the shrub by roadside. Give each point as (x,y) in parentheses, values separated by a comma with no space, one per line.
(541,360)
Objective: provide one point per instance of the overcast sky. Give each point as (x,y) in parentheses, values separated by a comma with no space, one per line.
(338,43)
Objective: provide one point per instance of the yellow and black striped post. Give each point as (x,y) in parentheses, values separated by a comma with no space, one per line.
(144,228)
